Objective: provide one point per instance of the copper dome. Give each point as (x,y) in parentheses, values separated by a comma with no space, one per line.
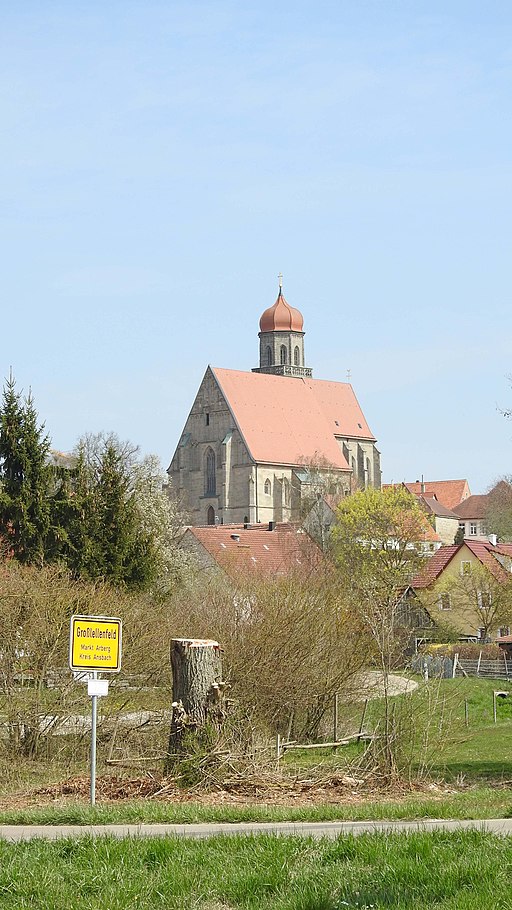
(281,317)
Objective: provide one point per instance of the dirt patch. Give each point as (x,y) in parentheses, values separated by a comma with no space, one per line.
(114,790)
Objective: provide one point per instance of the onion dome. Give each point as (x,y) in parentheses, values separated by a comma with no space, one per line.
(281,317)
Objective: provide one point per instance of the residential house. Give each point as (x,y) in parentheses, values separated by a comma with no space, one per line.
(468,587)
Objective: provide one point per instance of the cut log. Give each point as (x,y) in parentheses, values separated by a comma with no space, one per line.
(198,690)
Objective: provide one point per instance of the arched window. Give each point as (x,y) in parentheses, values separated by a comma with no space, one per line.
(296,356)
(283,353)
(210,515)
(368,473)
(269,356)
(268,487)
(210,478)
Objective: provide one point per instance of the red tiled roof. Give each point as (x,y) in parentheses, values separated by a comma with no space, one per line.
(435,565)
(482,550)
(473,507)
(235,548)
(448,492)
(293,421)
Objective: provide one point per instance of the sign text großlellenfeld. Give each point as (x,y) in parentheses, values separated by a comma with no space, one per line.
(95,643)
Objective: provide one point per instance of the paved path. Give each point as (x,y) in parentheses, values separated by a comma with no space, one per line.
(500,826)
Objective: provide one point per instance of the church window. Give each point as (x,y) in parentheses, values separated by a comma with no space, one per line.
(296,357)
(269,356)
(210,515)
(268,487)
(207,419)
(283,353)
(211,482)
(368,473)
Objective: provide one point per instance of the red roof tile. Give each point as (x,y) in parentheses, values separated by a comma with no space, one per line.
(473,507)
(293,421)
(448,492)
(482,550)
(276,552)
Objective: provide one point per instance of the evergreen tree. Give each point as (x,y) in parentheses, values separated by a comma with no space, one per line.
(107,537)
(26,477)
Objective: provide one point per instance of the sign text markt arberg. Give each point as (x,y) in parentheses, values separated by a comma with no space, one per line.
(95,643)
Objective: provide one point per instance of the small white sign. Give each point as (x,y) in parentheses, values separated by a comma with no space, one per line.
(97,687)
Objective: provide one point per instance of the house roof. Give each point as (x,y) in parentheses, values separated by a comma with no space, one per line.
(235,548)
(482,550)
(293,421)
(473,507)
(448,492)
(436,508)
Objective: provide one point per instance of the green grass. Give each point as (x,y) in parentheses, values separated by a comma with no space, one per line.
(462,871)
(470,804)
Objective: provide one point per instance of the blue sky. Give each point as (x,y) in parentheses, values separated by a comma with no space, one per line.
(161,162)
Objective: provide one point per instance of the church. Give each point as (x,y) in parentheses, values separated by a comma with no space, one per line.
(262,446)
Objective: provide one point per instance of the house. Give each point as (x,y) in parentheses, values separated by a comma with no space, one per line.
(269,550)
(475,512)
(444,521)
(468,588)
(448,492)
(255,444)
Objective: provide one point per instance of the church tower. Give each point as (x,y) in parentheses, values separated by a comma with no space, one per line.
(282,340)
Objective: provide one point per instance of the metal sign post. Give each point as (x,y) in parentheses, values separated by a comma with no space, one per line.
(94,645)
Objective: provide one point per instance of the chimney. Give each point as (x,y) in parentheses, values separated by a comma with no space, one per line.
(493,539)
(422,484)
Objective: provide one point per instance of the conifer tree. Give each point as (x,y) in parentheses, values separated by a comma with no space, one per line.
(107,538)
(25,477)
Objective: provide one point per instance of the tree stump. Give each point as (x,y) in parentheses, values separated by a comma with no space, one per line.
(198,690)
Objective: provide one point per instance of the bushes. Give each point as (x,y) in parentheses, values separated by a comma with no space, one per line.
(465,650)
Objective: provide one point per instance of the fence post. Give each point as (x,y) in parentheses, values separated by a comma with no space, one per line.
(455,662)
(466,712)
(278,746)
(478,665)
(335,718)
(494,706)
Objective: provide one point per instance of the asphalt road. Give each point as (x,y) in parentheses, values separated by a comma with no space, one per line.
(499,826)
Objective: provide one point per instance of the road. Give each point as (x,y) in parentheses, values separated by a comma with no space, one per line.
(498,826)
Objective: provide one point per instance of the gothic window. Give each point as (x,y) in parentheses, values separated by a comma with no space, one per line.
(368,473)
(268,487)
(296,357)
(210,515)
(211,483)
(269,356)
(283,353)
